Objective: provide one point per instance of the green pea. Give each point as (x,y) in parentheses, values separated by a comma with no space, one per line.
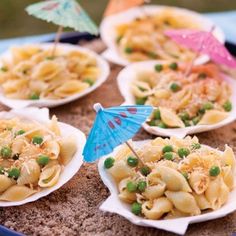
(157,114)
(184,115)
(183,152)
(128,50)
(168,156)
(153,123)
(187,123)
(132,161)
(214,171)
(136,208)
(152,55)
(109,162)
(175,87)
(20,132)
(208,106)
(89,81)
(6,152)
(1,170)
(14,173)
(141,186)
(196,119)
(185,174)
(141,89)
(227,106)
(50,58)
(167,148)
(201,111)
(145,170)
(196,146)
(43,160)
(158,67)
(162,125)
(131,187)
(37,140)
(202,75)
(173,66)
(140,101)
(34,96)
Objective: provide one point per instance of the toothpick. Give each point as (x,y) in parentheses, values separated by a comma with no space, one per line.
(57,39)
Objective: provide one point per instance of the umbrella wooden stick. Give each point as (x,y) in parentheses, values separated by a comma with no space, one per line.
(134,152)
(57,39)
(190,66)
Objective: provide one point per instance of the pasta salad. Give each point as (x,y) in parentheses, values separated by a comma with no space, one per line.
(32,157)
(33,73)
(143,38)
(201,98)
(179,178)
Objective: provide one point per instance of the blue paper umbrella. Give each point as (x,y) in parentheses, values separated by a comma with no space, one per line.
(112,127)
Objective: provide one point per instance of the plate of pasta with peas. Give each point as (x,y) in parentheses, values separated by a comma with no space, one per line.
(138,34)
(201,100)
(176,182)
(37,155)
(34,75)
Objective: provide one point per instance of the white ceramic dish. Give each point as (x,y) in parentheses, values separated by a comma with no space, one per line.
(128,74)
(109,24)
(42,115)
(179,225)
(19,103)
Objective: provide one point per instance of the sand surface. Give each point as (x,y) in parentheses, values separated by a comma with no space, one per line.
(73,209)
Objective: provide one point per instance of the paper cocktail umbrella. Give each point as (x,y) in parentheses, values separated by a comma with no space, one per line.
(65,13)
(112,127)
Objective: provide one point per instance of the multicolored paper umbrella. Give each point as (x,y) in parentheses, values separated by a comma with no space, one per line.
(65,13)
(203,42)
(113,127)
(116,6)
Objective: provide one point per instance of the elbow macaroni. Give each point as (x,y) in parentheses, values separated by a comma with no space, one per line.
(183,186)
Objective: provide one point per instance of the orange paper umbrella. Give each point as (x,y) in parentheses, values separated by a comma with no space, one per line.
(115,6)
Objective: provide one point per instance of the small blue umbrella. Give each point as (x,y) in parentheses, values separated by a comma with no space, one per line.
(113,127)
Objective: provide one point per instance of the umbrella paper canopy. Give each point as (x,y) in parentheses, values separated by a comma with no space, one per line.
(66,13)
(203,42)
(112,127)
(115,6)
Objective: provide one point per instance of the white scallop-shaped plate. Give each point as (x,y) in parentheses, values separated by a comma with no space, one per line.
(179,225)
(108,26)
(42,116)
(128,74)
(20,103)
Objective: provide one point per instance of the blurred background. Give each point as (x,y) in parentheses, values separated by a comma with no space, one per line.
(15,22)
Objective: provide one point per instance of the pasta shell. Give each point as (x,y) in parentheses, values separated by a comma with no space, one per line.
(150,153)
(52,148)
(228,157)
(124,195)
(174,213)
(213,117)
(154,191)
(18,145)
(5,183)
(121,170)
(154,210)
(172,178)
(16,193)
(202,202)
(170,118)
(49,176)
(68,148)
(30,173)
(199,181)
(228,176)
(184,202)
(53,126)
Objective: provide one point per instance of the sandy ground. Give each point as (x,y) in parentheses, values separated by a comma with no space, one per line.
(74,208)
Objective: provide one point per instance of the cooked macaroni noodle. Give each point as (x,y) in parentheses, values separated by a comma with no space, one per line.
(32,156)
(203,97)
(180,177)
(34,74)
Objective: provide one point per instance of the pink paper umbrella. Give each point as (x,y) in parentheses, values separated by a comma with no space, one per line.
(203,42)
